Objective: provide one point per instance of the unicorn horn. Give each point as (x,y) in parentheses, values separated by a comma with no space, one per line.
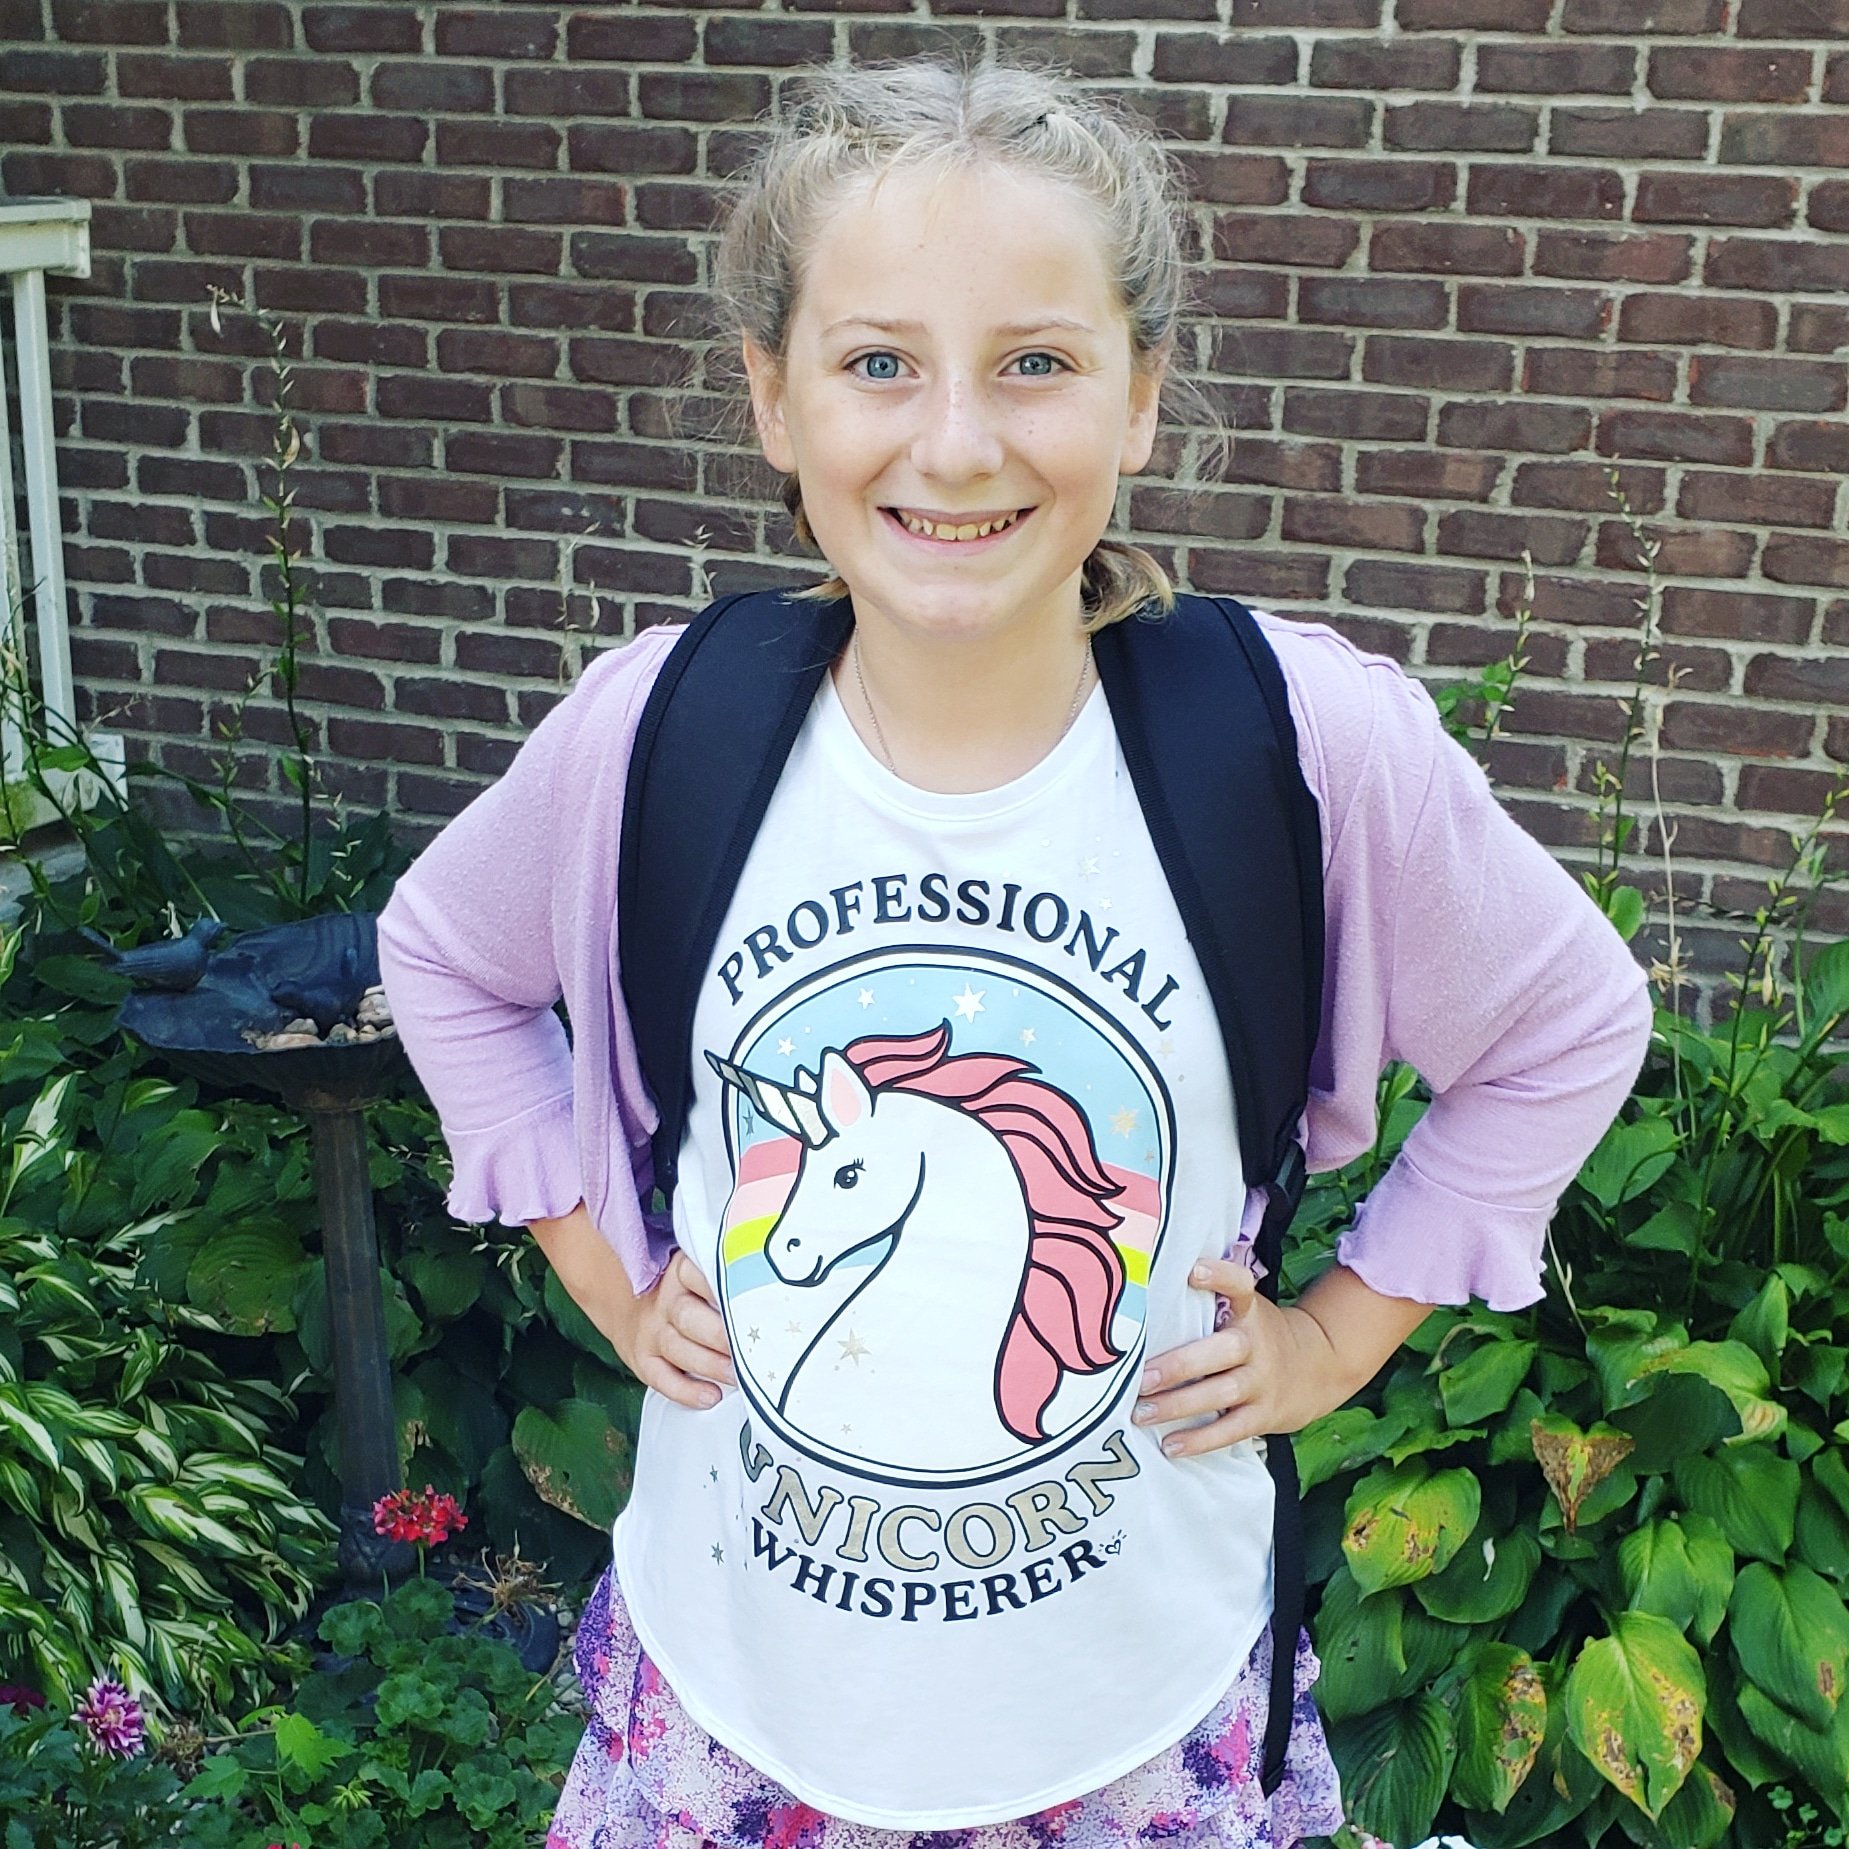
(782,1105)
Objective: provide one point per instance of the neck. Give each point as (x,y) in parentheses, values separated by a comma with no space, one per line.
(958,713)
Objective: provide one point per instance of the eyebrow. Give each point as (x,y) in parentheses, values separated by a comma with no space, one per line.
(1013,329)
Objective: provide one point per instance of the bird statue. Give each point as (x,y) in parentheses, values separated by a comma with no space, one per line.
(174,963)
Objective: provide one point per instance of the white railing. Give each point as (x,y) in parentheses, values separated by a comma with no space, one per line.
(38,237)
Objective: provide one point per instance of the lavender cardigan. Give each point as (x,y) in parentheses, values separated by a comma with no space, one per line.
(1454,942)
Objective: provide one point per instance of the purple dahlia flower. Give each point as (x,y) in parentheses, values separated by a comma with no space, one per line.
(111,1716)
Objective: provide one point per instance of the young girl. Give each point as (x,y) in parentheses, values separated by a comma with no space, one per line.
(917,1551)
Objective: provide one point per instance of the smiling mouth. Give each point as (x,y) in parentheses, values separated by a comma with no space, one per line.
(944,533)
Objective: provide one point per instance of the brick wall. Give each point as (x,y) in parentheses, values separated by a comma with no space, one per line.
(1464,256)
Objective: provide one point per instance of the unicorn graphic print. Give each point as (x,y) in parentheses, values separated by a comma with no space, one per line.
(943,1214)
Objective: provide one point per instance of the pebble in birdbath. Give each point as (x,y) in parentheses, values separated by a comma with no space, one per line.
(372,1020)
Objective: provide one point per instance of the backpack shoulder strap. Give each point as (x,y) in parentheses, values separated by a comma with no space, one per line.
(715,733)
(1202,714)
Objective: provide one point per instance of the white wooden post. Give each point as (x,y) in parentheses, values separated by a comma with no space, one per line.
(39,236)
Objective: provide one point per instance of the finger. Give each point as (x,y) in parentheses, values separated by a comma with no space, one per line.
(700,1323)
(1233,1280)
(1230,1428)
(1217,1393)
(695,1358)
(671,1383)
(1212,1354)
(695,1279)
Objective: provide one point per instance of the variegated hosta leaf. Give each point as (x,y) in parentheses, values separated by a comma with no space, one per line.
(1635,1702)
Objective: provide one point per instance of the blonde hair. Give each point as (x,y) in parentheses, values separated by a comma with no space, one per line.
(853,121)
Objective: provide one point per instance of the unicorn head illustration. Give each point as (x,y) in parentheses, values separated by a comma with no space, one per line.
(980,1183)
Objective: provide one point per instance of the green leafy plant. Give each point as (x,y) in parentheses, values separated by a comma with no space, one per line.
(417,1731)
(62,1788)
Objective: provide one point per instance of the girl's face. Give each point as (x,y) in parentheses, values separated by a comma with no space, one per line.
(957,351)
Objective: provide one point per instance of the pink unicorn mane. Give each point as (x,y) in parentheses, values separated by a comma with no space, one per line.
(1075,1273)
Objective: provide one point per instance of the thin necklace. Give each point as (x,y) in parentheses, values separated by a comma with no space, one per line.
(880,736)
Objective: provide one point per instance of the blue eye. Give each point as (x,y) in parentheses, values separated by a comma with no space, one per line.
(884,377)
(848,1173)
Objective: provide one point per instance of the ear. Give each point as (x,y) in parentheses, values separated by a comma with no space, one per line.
(767,405)
(845,1097)
(1145,413)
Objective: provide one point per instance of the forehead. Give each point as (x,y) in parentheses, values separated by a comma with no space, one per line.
(947,250)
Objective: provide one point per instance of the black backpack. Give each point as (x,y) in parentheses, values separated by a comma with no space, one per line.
(1235,829)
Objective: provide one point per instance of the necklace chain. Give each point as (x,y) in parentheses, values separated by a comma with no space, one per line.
(880,736)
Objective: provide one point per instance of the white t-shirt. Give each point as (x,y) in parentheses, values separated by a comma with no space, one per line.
(961,1125)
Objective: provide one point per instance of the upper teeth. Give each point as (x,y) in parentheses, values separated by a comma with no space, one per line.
(935,531)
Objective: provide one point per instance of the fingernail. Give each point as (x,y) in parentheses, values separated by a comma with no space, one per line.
(710,1397)
(1170,1445)
(1145,1411)
(1151,1377)
(1200,1274)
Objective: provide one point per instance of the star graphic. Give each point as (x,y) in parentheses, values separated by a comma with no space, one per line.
(752,1335)
(969,1003)
(1028,1036)
(786,1046)
(865,998)
(1124,1121)
(1104,905)
(718,1555)
(847,1431)
(1165,1046)
(793,1328)
(713,1472)
(1089,865)
(852,1348)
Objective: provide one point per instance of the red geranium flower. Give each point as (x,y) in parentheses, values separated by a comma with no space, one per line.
(426,1517)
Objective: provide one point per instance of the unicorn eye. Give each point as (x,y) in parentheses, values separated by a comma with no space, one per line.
(849,1173)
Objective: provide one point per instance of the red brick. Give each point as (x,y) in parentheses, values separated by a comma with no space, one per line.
(1378,186)
(1594,372)
(760,40)
(1717,552)
(1585,487)
(1716,199)
(1759,499)
(384,744)
(1473,646)
(1721,74)
(1299,121)
(1829,205)
(1597,717)
(66,73)
(180,182)
(1690,16)
(1816,327)
(1416,587)
(1806,558)
(1577,602)
(569,305)
(307,189)
(1473,534)
(1213,178)
(1390,417)
(1698,320)
(1385,64)
(1268,463)
(1793,19)
(437,298)
(436,88)
(1369,301)
(1486,15)
(1736,730)
(1263,577)
(1613,256)
(1282,353)
(362,28)
(503,452)
(1259,237)
(450,698)
(1448,365)
(1628,134)
(1776,790)
(1497,128)
(1767,384)
(109,22)
(1373,526)
(1364,13)
(500,249)
(1428,474)
(563,90)
(1695,670)
(1822,682)
(1220,58)
(368,243)
(1557,70)
(1508,308)
(1152,509)
(1737,616)
(1672,436)
(1235,294)
(503,32)
(1820,445)
(1428,246)
(497,351)
(630,150)
(439,497)
(1543,429)
(1778,265)
(1511,191)
(1785,138)
(366,137)
(116,125)
(1836,78)
(447,399)
(400,194)
(301,82)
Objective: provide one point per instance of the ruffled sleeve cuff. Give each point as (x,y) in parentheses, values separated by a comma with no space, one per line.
(524,1169)
(1412,1237)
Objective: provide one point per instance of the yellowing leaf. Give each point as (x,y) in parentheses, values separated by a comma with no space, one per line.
(1634,1705)
(1575,1462)
(1403,1524)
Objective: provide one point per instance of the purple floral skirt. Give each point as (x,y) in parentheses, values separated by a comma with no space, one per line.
(647,1776)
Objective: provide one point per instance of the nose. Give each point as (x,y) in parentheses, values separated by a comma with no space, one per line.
(959,434)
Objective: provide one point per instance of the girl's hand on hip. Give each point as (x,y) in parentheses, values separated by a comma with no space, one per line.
(676,1342)
(1266,1368)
